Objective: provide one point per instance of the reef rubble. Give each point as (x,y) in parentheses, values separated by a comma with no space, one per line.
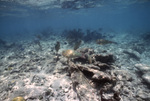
(46,75)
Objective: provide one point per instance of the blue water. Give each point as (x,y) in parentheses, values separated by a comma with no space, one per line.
(20,20)
(32,63)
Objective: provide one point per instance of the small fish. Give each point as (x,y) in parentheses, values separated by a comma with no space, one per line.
(57,46)
(89,59)
(103,41)
(77,45)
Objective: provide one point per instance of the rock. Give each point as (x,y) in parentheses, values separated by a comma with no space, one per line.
(102,66)
(142,67)
(143,95)
(37,80)
(132,54)
(3,96)
(117,87)
(87,50)
(104,58)
(15,71)
(122,75)
(7,86)
(146,77)
(46,95)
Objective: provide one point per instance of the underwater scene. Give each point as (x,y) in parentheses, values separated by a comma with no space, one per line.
(74,50)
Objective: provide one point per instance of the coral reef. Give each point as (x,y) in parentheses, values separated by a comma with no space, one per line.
(44,34)
(47,32)
(93,77)
(92,35)
(77,44)
(95,73)
(76,35)
(73,36)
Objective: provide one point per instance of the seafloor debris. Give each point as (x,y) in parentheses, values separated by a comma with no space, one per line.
(92,78)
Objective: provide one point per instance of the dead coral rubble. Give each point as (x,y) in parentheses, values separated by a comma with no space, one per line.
(93,78)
